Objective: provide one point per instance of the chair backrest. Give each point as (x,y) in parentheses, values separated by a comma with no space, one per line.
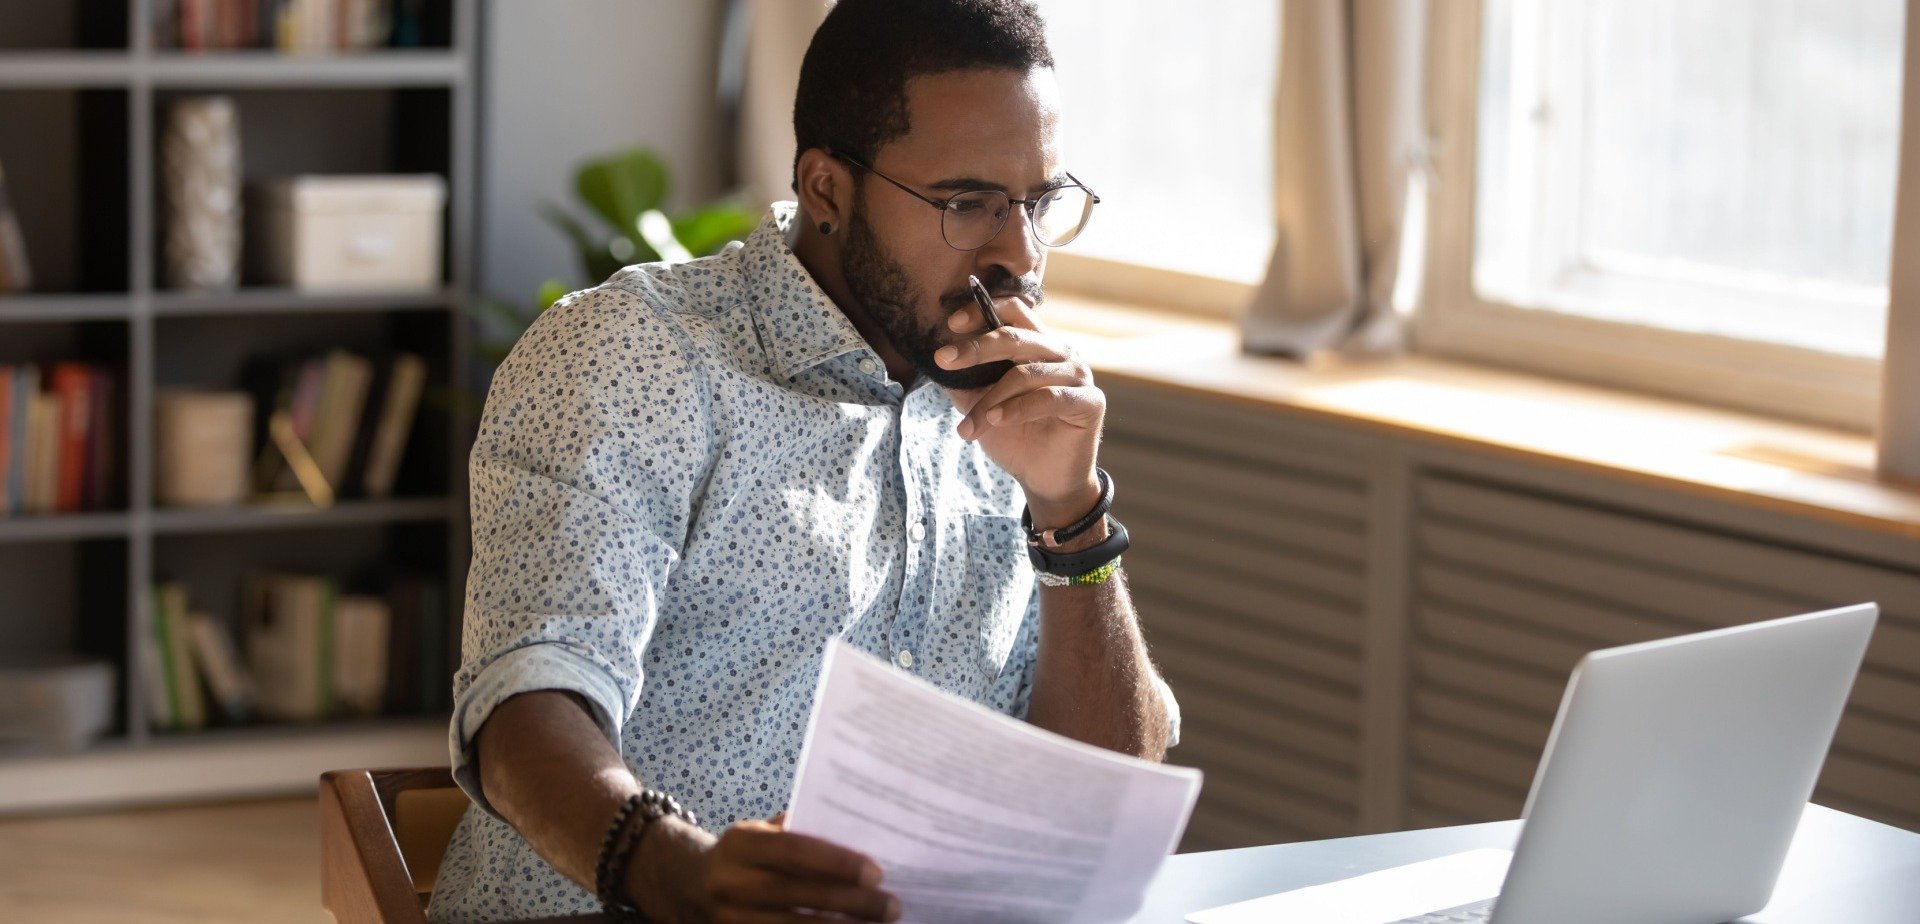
(382,833)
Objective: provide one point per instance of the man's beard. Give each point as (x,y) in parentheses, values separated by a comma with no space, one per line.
(880,284)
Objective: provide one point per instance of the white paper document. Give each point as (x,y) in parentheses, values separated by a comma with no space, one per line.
(1377,898)
(974,816)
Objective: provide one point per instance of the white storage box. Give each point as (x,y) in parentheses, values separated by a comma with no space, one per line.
(347,233)
(57,703)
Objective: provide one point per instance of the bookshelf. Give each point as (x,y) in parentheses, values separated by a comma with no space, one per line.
(88,89)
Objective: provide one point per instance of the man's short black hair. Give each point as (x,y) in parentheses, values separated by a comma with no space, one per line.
(852,97)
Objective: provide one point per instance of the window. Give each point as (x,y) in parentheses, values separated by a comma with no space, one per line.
(1168,115)
(1680,196)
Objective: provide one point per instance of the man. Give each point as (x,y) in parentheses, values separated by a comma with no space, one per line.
(689,478)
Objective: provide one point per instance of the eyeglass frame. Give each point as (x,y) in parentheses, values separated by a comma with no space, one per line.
(1028,204)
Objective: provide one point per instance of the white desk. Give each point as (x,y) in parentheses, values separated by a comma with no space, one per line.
(1842,869)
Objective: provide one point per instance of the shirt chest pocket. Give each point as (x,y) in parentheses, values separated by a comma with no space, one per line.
(995,589)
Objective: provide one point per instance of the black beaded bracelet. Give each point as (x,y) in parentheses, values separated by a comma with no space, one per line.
(610,873)
(614,851)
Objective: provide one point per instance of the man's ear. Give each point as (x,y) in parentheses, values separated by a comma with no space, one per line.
(825,187)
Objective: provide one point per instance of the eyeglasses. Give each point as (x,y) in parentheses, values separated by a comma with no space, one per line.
(972,219)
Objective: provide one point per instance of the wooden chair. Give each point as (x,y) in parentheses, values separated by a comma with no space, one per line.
(382,833)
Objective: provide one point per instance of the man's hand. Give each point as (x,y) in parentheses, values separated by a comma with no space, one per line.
(755,872)
(1041,422)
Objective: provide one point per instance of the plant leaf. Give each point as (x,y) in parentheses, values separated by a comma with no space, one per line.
(622,186)
(550,291)
(705,230)
(657,231)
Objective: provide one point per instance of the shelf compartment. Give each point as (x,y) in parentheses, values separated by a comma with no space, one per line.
(67,598)
(65,24)
(65,153)
(287,131)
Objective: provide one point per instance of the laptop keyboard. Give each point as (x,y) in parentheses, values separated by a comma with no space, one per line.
(1465,914)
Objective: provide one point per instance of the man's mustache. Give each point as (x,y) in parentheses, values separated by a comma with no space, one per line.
(1002,284)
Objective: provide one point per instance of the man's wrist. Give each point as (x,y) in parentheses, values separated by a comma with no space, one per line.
(667,878)
(1054,513)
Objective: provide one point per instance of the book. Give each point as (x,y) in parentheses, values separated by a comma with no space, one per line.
(100,442)
(360,642)
(152,669)
(176,648)
(336,417)
(219,665)
(43,445)
(289,641)
(71,383)
(25,380)
(390,424)
(6,440)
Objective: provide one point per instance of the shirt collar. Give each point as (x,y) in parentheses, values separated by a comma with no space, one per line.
(798,324)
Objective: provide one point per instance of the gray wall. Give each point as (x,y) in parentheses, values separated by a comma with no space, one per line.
(569,80)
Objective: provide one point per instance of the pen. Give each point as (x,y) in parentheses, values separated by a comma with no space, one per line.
(986,303)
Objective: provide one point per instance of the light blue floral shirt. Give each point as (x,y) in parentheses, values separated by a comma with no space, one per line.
(686,480)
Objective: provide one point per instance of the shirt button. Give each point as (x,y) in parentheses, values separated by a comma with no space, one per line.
(916,532)
(904,658)
(867,366)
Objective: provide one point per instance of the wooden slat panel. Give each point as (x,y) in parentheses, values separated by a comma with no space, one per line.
(1196,554)
(1462,799)
(1526,732)
(1504,641)
(1258,799)
(1221,520)
(1540,610)
(1791,573)
(1225,827)
(1524,691)
(1167,467)
(1267,443)
(1200,705)
(1341,707)
(1258,644)
(1878,737)
(1500,767)
(1512,589)
(1177,589)
(1220,752)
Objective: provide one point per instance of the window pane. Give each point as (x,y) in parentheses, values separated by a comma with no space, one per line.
(1169,117)
(1716,165)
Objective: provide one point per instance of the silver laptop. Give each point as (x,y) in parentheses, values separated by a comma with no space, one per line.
(1676,774)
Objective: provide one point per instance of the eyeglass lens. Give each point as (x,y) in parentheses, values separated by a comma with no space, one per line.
(971,219)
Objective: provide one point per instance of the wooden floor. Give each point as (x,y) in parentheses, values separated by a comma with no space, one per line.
(254,861)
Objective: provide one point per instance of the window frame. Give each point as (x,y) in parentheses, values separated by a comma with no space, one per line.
(1454,320)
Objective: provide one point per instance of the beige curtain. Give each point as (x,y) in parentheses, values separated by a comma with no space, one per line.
(1349,171)
(777,35)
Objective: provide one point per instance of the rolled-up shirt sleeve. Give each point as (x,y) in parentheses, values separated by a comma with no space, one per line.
(581,478)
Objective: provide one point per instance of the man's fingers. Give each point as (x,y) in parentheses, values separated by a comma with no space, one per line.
(1072,405)
(1011,343)
(800,855)
(1020,380)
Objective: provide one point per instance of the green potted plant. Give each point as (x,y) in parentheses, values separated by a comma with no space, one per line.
(624,191)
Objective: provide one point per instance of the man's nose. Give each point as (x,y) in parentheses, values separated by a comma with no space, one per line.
(1015,248)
